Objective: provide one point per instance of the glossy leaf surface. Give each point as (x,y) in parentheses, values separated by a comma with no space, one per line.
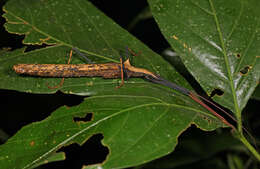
(218,42)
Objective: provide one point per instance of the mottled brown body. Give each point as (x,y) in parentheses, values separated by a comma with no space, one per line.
(106,70)
(109,70)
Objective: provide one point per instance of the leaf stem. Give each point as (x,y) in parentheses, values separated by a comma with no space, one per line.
(249,146)
(239,123)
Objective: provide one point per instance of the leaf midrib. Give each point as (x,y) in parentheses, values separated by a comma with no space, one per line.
(237,111)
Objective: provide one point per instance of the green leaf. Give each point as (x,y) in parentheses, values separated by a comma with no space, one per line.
(136,129)
(140,121)
(218,42)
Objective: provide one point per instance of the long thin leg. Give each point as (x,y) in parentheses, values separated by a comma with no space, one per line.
(82,55)
(62,80)
(122,72)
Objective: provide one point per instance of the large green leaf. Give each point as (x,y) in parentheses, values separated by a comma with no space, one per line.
(219,43)
(136,127)
(140,121)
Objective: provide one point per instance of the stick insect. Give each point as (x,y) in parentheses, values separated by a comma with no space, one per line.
(105,70)
(115,70)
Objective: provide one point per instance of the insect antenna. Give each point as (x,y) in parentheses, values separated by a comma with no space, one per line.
(82,55)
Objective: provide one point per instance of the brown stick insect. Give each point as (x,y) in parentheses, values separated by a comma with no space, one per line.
(105,70)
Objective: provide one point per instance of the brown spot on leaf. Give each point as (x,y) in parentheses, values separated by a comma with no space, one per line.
(32,143)
(185,45)
(175,37)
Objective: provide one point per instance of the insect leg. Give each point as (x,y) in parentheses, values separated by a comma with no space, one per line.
(62,80)
(82,55)
(122,70)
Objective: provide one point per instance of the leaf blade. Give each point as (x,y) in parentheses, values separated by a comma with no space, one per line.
(209,36)
(132,126)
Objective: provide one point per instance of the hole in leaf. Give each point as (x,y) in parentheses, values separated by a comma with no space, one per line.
(245,70)
(86,118)
(238,55)
(35,47)
(91,152)
(216,92)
